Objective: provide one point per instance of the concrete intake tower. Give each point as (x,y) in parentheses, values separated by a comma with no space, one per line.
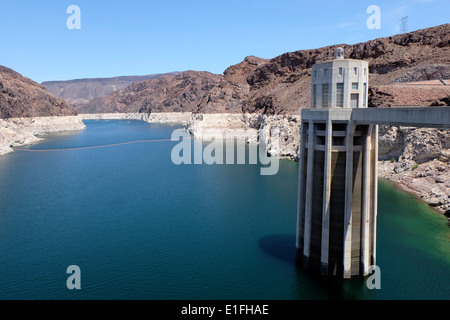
(337,206)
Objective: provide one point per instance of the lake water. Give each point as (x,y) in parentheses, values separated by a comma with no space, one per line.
(140,227)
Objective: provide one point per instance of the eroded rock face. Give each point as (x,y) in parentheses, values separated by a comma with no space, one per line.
(414,144)
(22,97)
(278,135)
(430,72)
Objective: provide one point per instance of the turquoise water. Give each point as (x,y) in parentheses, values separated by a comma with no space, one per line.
(140,227)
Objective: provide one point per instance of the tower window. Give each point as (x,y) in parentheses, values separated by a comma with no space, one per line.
(324,95)
(355,85)
(364,94)
(340,95)
(355,69)
(314,99)
(341,71)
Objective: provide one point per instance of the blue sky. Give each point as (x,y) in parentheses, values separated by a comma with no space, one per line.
(145,37)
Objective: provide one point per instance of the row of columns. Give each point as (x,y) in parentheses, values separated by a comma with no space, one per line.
(368,201)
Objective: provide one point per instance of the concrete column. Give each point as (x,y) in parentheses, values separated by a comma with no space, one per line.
(375,193)
(301,183)
(326,199)
(309,194)
(365,205)
(348,200)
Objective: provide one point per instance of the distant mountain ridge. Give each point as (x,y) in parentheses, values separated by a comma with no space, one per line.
(78,92)
(167,93)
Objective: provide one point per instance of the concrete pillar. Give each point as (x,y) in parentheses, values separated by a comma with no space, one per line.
(326,199)
(348,200)
(366,203)
(301,166)
(375,193)
(308,200)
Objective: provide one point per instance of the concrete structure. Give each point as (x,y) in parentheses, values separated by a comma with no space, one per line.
(337,200)
(340,83)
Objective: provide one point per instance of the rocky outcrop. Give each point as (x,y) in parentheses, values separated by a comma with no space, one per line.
(421,93)
(277,135)
(229,95)
(425,73)
(16,132)
(418,160)
(429,181)
(22,97)
(78,92)
(445,101)
(168,93)
(416,145)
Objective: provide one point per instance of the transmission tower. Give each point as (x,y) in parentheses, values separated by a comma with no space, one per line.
(404,24)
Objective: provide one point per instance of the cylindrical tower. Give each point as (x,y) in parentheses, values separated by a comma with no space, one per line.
(337,201)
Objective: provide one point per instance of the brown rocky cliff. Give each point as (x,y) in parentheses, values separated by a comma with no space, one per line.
(22,97)
(282,85)
(230,94)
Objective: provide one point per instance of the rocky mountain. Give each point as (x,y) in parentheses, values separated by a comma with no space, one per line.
(168,93)
(22,97)
(80,91)
(282,85)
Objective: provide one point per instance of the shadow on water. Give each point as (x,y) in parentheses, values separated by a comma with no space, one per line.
(282,247)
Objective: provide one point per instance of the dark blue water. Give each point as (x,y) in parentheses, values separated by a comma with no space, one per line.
(140,227)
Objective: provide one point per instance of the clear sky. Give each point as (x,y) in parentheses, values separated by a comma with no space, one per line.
(137,37)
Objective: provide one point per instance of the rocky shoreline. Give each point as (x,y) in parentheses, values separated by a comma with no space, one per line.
(256,128)
(16,132)
(162,117)
(418,161)
(428,181)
